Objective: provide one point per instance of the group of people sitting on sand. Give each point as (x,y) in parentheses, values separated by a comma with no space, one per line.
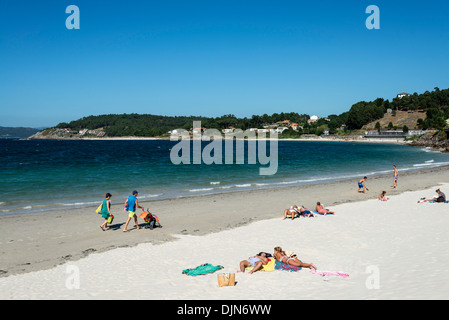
(280,255)
(301,211)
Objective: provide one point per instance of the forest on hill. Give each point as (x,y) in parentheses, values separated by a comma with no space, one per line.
(435,104)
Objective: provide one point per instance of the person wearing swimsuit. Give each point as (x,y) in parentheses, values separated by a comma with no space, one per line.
(281,256)
(395,178)
(256,262)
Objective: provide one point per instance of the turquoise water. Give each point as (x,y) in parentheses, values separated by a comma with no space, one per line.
(42,175)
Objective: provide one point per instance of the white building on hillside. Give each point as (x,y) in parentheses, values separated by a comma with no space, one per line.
(402,95)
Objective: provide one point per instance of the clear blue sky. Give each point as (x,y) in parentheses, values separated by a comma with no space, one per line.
(214,57)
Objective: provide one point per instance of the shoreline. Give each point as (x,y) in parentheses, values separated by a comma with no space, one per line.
(317,139)
(38,241)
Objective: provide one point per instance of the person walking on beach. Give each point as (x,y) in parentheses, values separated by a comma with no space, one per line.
(395,178)
(362,186)
(133,204)
(106,211)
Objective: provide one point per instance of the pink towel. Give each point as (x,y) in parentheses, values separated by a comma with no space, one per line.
(330,273)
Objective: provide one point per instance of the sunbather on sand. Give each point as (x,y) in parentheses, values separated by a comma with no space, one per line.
(320,209)
(256,262)
(293,211)
(305,212)
(281,256)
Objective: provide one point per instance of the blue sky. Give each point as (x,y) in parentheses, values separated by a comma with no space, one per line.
(214,57)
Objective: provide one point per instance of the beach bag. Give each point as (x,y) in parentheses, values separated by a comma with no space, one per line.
(99,209)
(226,279)
(110,219)
(126,207)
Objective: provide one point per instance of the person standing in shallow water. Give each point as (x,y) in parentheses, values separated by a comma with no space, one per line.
(133,204)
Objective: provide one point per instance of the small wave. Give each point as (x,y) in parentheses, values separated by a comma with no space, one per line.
(200,190)
(246,185)
(431,163)
(79,203)
(215,182)
(430,150)
(151,196)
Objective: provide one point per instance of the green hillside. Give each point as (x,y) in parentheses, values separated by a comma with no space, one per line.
(434,104)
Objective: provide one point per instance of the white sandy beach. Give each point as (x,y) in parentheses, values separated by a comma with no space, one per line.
(391,250)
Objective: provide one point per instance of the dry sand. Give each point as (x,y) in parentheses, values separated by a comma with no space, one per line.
(399,245)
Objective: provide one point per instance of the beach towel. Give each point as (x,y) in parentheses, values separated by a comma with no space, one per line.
(201,270)
(268,267)
(330,273)
(286,267)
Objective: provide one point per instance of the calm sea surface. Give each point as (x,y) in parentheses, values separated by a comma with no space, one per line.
(43,175)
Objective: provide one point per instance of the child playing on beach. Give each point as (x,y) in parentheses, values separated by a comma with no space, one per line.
(382,196)
(362,186)
(106,211)
(321,210)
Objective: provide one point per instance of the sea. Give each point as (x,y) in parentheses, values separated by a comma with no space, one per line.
(46,175)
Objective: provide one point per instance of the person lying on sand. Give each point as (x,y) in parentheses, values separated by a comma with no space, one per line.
(256,262)
(303,211)
(321,210)
(293,211)
(281,256)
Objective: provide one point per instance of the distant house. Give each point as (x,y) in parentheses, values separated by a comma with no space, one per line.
(313,119)
(295,126)
(402,95)
(199,130)
(83,132)
(281,129)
